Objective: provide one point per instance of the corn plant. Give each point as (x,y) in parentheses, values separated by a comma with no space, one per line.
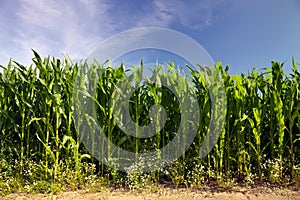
(39,121)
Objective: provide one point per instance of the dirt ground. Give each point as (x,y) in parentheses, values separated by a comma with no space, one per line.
(237,193)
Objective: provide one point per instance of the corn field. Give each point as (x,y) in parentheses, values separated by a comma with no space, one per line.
(41,146)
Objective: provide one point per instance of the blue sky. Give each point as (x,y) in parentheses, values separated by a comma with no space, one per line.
(236,32)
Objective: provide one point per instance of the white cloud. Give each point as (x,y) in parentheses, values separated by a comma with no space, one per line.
(93,8)
(193,14)
(55,27)
(76,27)
(39,13)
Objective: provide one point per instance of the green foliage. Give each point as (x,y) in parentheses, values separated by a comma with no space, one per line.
(40,149)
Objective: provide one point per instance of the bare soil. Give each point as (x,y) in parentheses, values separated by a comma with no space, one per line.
(235,193)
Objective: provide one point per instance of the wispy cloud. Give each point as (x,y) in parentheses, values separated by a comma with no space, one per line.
(54,27)
(193,14)
(76,27)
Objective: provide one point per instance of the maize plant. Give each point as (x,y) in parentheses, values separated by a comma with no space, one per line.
(39,121)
